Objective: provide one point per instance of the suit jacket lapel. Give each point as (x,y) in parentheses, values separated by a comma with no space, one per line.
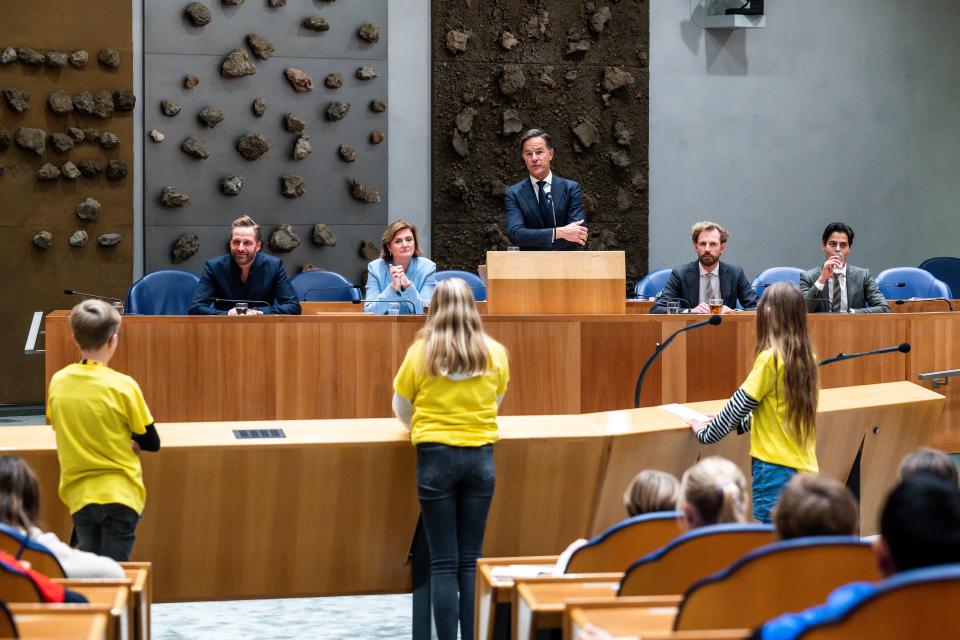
(526,192)
(692,282)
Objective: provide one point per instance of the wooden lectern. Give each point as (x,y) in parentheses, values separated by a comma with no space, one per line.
(567,282)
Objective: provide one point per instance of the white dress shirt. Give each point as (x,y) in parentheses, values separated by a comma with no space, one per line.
(705,283)
(547,188)
(842,273)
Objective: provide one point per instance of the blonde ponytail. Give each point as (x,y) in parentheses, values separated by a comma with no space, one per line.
(716,491)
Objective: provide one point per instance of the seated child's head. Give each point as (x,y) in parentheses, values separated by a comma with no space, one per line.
(815,506)
(94,324)
(920,525)
(651,491)
(713,491)
(930,462)
(19,493)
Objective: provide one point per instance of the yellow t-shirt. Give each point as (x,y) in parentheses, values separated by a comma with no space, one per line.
(459,413)
(94,410)
(769,439)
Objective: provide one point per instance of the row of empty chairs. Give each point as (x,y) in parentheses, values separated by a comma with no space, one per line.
(170,291)
(934,278)
(721,577)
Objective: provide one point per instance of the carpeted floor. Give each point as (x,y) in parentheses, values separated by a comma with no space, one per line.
(337,618)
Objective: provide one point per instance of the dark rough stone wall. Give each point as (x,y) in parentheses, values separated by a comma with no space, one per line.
(577,69)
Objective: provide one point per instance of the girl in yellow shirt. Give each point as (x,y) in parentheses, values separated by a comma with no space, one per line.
(777,402)
(447,391)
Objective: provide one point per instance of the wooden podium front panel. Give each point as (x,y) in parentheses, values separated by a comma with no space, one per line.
(225,517)
(556,282)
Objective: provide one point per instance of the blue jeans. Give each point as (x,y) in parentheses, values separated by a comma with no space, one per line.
(455,486)
(768,481)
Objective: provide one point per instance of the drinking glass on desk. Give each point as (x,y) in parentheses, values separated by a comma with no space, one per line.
(118,306)
(242,308)
(673,306)
(716,306)
(393,309)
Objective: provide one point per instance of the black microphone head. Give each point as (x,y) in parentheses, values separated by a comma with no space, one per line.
(69,292)
(901,284)
(904,347)
(715,320)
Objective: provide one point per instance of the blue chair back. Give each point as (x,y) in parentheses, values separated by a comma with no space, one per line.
(473,281)
(625,541)
(323,286)
(911,604)
(21,547)
(946,270)
(695,554)
(168,292)
(776,274)
(918,283)
(756,582)
(652,284)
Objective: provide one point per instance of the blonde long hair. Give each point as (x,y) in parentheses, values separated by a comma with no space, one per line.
(454,340)
(782,326)
(716,491)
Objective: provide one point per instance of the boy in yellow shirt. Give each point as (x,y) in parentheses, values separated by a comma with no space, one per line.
(102,423)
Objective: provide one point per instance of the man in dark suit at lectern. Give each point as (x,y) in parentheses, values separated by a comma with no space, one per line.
(544,211)
(695,283)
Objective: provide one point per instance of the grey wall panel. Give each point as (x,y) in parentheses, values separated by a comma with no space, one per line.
(327,177)
(834,111)
(168,31)
(344,258)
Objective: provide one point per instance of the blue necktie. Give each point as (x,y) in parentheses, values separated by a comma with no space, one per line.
(546,211)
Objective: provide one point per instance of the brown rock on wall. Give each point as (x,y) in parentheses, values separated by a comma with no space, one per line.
(574,69)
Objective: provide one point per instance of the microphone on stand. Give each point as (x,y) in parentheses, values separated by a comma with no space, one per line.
(71,292)
(342,287)
(117,303)
(712,320)
(898,285)
(903,347)
(947,300)
(360,300)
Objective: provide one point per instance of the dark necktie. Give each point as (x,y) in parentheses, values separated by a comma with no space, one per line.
(835,302)
(546,211)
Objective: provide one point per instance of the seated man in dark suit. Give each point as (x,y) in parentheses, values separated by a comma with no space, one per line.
(695,283)
(838,287)
(544,211)
(245,274)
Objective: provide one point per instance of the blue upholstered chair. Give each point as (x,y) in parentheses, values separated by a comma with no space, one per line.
(946,270)
(920,603)
(652,284)
(167,292)
(776,274)
(473,281)
(624,542)
(323,286)
(756,582)
(672,569)
(917,284)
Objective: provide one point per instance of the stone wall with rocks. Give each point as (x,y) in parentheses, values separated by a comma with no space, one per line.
(66,159)
(576,69)
(271,109)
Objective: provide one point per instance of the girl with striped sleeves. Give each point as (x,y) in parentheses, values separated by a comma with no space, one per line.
(777,403)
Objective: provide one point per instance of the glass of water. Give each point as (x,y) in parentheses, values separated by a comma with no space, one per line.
(673,306)
(393,309)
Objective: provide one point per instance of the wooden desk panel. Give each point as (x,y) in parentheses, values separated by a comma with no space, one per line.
(341,365)
(331,508)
